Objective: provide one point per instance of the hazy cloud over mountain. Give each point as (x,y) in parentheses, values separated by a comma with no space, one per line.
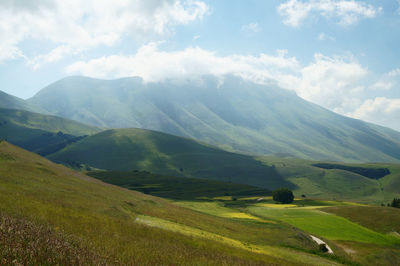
(341,54)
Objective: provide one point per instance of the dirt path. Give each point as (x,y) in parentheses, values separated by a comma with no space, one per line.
(319,241)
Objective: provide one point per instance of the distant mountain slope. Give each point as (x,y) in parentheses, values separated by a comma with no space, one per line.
(236,115)
(40,133)
(12,102)
(139,149)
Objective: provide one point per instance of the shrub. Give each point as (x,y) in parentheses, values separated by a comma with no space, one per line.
(283,195)
(323,248)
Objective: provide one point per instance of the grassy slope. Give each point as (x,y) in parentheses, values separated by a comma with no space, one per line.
(171,187)
(120,224)
(12,102)
(20,119)
(236,115)
(349,240)
(138,149)
(24,242)
(40,133)
(382,219)
(337,184)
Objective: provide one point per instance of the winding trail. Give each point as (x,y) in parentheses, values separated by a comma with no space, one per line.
(319,241)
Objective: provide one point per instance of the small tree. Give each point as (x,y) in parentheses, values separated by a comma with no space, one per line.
(395,203)
(283,195)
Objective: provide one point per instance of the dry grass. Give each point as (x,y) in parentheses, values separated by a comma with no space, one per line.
(23,242)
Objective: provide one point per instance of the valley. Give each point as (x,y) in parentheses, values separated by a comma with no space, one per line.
(106,195)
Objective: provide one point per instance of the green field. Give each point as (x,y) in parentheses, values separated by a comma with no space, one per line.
(353,242)
(184,188)
(123,226)
(110,224)
(337,184)
(385,219)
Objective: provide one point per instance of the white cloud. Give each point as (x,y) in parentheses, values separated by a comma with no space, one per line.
(251,27)
(333,82)
(76,24)
(394,72)
(381,111)
(324,37)
(326,80)
(54,55)
(346,12)
(153,65)
(382,85)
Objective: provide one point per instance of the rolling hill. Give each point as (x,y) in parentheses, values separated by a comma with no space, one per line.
(355,182)
(11,102)
(40,133)
(139,150)
(145,150)
(233,114)
(64,213)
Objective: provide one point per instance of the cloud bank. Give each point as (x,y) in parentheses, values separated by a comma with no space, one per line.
(74,25)
(345,12)
(327,81)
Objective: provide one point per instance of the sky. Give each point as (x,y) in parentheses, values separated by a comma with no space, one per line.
(341,54)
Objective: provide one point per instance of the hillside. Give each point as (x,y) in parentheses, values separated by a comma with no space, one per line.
(139,149)
(178,188)
(234,114)
(40,133)
(112,224)
(338,183)
(11,102)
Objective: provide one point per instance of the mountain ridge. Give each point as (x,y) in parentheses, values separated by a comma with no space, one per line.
(236,115)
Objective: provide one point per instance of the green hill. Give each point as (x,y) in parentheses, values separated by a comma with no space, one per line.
(375,183)
(40,133)
(63,213)
(236,115)
(139,149)
(163,154)
(11,102)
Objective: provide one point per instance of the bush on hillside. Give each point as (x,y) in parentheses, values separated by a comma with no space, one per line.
(283,195)
(395,203)
(323,248)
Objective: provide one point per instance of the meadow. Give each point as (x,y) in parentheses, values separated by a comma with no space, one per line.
(122,226)
(114,225)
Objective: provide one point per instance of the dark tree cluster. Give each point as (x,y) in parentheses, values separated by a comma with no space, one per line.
(373,173)
(283,195)
(395,203)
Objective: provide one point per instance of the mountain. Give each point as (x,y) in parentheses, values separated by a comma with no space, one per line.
(40,133)
(145,150)
(12,102)
(233,114)
(50,214)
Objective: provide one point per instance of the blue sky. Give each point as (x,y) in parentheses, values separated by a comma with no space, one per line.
(341,54)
